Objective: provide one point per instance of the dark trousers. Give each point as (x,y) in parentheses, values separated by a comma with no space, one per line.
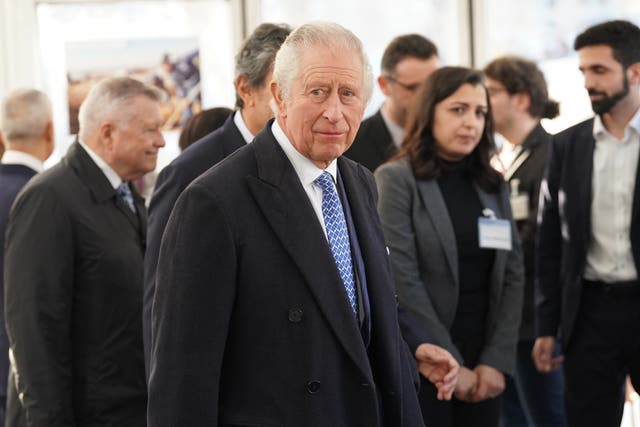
(533,399)
(604,348)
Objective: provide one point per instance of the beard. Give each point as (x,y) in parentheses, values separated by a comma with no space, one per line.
(607,102)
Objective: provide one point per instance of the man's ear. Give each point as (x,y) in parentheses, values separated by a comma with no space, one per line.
(384,84)
(276,94)
(245,90)
(522,101)
(48,132)
(633,73)
(105,132)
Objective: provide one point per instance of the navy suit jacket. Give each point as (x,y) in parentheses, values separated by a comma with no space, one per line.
(173,179)
(251,323)
(373,145)
(565,230)
(12,179)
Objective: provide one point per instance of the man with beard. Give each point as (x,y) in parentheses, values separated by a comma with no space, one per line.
(589,235)
(406,63)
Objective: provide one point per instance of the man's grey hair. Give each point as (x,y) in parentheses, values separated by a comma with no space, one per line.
(25,114)
(304,39)
(111,98)
(255,58)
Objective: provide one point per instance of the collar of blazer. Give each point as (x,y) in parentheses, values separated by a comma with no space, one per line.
(530,143)
(100,187)
(282,199)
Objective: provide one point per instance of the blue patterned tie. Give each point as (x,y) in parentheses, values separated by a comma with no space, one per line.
(338,235)
(125,192)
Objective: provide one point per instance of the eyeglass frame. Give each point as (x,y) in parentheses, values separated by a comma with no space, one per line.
(408,87)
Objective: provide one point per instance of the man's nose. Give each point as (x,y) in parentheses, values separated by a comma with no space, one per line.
(333,108)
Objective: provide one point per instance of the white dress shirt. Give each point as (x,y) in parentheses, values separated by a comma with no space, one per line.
(609,255)
(111,175)
(242,127)
(306,170)
(396,131)
(14,157)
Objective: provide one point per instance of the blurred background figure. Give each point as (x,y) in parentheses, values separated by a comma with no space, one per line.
(75,244)
(202,124)
(519,100)
(406,63)
(26,120)
(453,244)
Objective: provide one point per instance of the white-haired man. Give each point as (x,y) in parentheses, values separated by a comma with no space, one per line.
(274,302)
(26,120)
(74,265)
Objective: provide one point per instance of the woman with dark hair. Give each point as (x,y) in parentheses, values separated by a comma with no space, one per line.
(202,124)
(453,245)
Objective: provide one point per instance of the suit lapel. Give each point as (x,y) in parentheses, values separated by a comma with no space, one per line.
(582,160)
(232,139)
(439,215)
(383,317)
(384,142)
(96,181)
(279,195)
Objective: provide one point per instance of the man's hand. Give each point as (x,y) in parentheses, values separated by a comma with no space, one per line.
(490,383)
(542,354)
(438,366)
(467,384)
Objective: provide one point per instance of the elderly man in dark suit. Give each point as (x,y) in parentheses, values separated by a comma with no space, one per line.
(589,235)
(26,120)
(406,63)
(274,301)
(254,67)
(73,268)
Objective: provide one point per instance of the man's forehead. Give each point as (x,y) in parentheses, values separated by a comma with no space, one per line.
(596,53)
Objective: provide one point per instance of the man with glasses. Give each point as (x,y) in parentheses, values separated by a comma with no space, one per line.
(406,63)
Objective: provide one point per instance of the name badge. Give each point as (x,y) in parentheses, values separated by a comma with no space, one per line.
(494,233)
(520,206)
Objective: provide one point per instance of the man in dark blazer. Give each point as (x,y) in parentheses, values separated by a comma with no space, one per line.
(74,266)
(519,100)
(407,62)
(254,67)
(589,240)
(26,120)
(274,302)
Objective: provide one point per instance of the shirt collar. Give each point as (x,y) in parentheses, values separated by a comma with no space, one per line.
(112,176)
(242,127)
(307,171)
(599,128)
(396,131)
(15,157)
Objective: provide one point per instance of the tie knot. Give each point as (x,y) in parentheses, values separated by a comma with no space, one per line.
(325,181)
(125,193)
(124,190)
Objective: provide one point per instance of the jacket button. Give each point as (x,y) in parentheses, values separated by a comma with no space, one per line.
(295,315)
(313,387)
